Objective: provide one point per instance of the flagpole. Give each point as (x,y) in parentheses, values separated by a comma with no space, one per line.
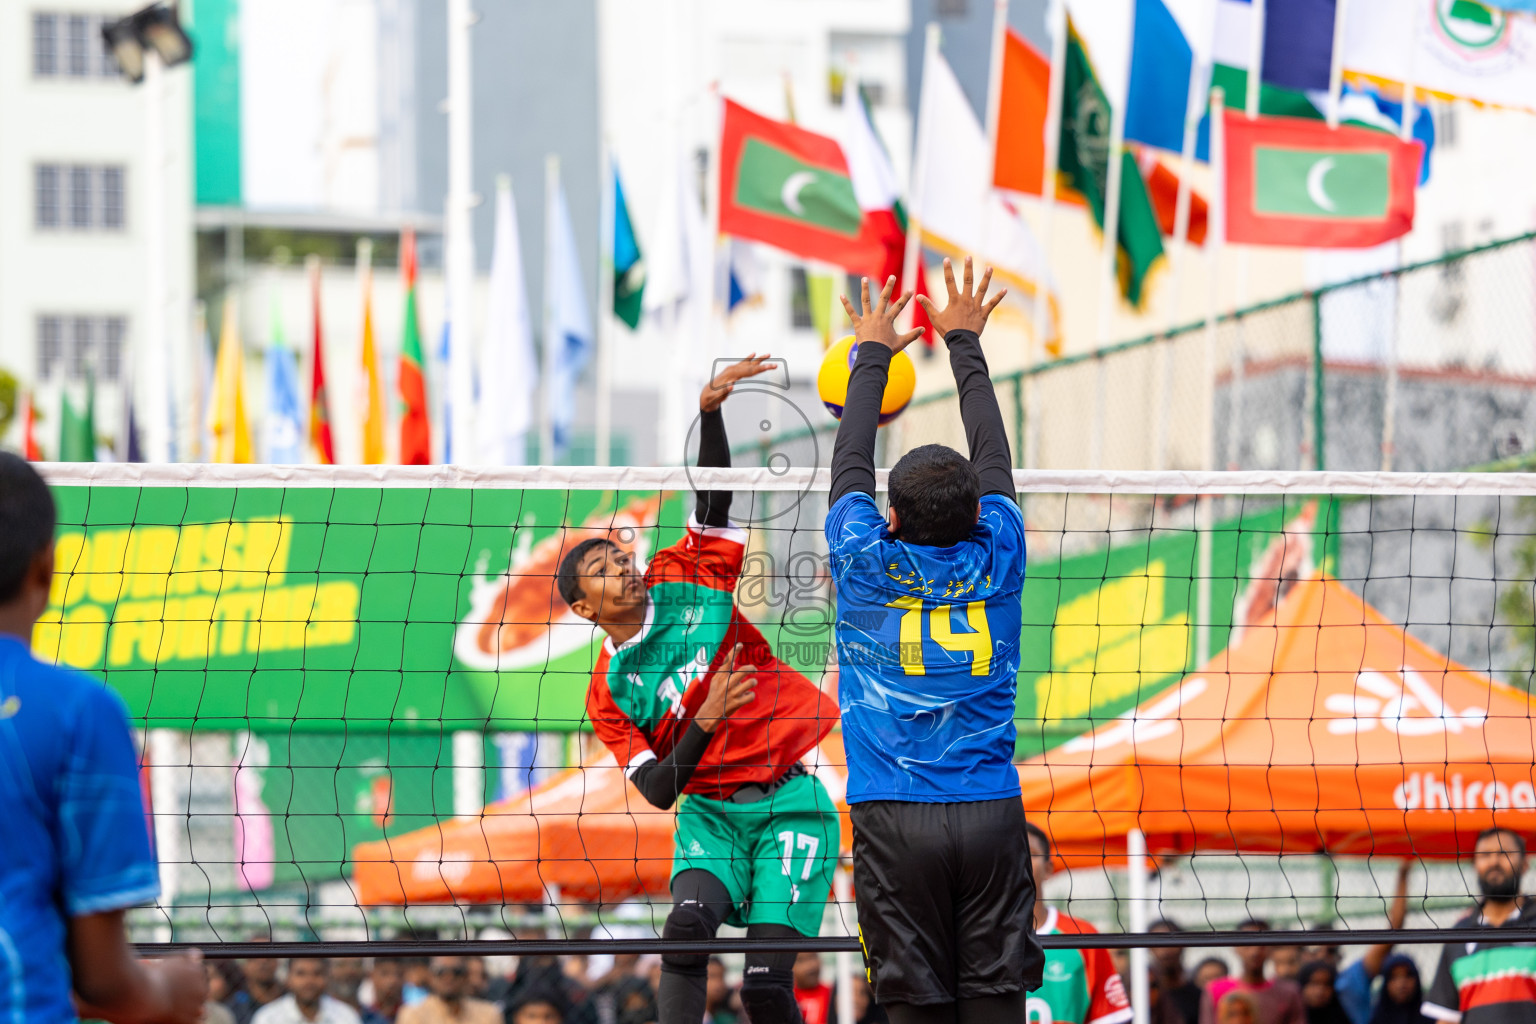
(547,405)
(1198,81)
(1244,254)
(995,81)
(1215,236)
(1405,133)
(1109,280)
(605,271)
(459,258)
(1336,63)
(1033,419)
(914,248)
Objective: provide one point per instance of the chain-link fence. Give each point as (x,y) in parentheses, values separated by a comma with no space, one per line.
(1428,367)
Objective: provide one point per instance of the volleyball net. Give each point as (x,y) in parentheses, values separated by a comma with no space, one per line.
(361,701)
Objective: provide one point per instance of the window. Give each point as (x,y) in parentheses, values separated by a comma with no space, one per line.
(45,45)
(112,198)
(50,346)
(77,46)
(80,197)
(47,198)
(71,45)
(800,318)
(109,365)
(81,346)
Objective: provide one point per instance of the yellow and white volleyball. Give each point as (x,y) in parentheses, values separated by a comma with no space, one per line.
(837,366)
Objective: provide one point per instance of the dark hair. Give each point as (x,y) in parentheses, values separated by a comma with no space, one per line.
(568,579)
(27,519)
(1034,831)
(1499,830)
(547,995)
(1253,924)
(934,489)
(1164,924)
(1218,961)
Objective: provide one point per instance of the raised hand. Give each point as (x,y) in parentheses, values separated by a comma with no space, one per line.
(718,390)
(731,688)
(878,324)
(967,309)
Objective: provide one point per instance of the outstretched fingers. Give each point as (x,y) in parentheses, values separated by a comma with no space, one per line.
(992,303)
(900,303)
(969,278)
(949,279)
(885,295)
(986,282)
(911,336)
(864,293)
(853,314)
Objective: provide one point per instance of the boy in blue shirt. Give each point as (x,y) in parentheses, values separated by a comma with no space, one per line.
(928,625)
(75,852)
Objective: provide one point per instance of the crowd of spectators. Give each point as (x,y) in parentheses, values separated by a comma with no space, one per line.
(466,990)
(1273,984)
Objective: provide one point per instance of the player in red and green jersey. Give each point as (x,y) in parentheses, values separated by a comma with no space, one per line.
(1078,986)
(690,698)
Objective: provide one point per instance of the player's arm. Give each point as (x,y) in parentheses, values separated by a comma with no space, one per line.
(961,323)
(663,780)
(853,453)
(713,508)
(112,984)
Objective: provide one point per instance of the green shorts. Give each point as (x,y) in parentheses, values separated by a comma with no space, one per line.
(775,857)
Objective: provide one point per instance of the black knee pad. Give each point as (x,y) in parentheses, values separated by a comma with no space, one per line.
(687,922)
(768,994)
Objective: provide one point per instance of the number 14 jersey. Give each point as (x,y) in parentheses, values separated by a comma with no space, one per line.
(928,651)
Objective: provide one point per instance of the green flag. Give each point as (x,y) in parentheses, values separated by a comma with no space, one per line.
(1083,167)
(628,262)
(77,433)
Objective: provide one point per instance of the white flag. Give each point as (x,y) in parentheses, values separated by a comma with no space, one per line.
(959,211)
(875,184)
(1455,49)
(570,323)
(508,366)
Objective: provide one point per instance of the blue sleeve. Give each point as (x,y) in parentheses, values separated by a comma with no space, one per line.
(1354,988)
(1002,514)
(853,523)
(104,842)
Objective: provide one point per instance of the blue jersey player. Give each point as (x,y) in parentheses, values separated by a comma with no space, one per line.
(928,623)
(74,852)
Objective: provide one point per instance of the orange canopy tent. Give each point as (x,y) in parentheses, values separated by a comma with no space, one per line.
(1322,727)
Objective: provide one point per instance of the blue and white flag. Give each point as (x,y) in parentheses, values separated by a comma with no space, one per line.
(1162,59)
(284,433)
(570,323)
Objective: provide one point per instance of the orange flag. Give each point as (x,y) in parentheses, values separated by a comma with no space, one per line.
(373,408)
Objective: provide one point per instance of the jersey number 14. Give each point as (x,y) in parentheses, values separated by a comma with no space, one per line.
(978,642)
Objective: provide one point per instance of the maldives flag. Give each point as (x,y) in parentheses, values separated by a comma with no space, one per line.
(415,426)
(319,407)
(1292,181)
(790,188)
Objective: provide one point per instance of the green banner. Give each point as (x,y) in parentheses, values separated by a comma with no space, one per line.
(354,609)
(322,609)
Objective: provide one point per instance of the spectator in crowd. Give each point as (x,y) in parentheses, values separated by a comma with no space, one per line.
(1354,982)
(722,1004)
(1285,962)
(634,1002)
(450,1001)
(1080,986)
(418,979)
(1208,970)
(1178,993)
(1402,993)
(307,1001)
(261,985)
(386,978)
(865,1009)
(347,976)
(601,1006)
(546,976)
(1473,984)
(1237,1007)
(1275,1001)
(812,995)
(223,979)
(1318,993)
(537,1007)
